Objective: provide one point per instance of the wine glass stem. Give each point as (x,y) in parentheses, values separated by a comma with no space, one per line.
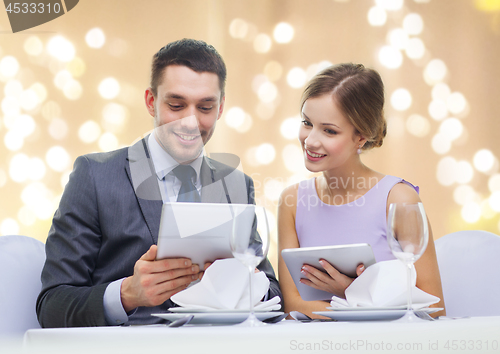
(250,269)
(409,285)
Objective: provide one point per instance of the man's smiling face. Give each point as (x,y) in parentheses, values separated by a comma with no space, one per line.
(185,110)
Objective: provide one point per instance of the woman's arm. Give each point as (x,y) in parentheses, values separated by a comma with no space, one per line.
(287,238)
(428,277)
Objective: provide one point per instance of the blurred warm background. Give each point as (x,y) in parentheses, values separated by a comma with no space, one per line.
(75,85)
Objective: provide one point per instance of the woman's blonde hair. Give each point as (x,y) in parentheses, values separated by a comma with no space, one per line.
(359,93)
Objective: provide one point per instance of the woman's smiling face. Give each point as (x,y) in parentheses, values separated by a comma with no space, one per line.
(327,137)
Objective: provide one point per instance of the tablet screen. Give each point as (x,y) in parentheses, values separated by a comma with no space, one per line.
(199,231)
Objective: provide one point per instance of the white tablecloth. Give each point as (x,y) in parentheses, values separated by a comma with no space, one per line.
(469,335)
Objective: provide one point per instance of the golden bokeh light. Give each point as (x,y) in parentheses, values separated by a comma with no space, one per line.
(109,88)
(494,183)
(72,90)
(239,120)
(446,171)
(238,28)
(62,78)
(390,57)
(76,67)
(398,38)
(265,110)
(438,109)
(108,142)
(95,38)
(61,49)
(283,32)
(265,153)
(390,5)
(51,110)
(19,167)
(9,226)
(273,70)
(293,158)
(435,72)
(296,77)
(451,129)
(9,66)
(484,160)
(57,158)
(33,46)
(464,194)
(58,128)
(487,5)
(413,24)
(290,127)
(401,99)
(464,172)
(415,48)
(471,212)
(89,131)
(267,92)
(262,43)
(418,125)
(377,16)
(114,117)
(13,140)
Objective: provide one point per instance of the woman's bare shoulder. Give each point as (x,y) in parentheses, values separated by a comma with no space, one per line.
(403,193)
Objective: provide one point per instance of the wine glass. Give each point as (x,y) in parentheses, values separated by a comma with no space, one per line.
(249,244)
(407,235)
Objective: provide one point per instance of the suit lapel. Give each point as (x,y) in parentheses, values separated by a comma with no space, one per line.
(142,176)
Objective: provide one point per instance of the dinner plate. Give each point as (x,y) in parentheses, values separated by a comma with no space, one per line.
(191,310)
(391,308)
(217,317)
(369,315)
(403,307)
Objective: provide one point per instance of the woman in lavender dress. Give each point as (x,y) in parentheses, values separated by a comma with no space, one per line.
(342,115)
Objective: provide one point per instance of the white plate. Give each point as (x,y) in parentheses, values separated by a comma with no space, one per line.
(191,310)
(217,317)
(367,308)
(370,315)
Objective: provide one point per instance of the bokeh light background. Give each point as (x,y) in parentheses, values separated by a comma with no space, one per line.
(75,85)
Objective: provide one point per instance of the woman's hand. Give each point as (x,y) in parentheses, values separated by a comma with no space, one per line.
(332,281)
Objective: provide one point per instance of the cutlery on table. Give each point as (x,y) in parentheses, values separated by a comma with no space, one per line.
(181,321)
(423,315)
(275,319)
(301,317)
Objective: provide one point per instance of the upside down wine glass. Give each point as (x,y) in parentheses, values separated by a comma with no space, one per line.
(407,235)
(249,244)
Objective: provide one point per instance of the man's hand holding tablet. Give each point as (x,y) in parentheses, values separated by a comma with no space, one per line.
(155,281)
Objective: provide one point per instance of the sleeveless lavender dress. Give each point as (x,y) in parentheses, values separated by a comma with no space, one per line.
(361,221)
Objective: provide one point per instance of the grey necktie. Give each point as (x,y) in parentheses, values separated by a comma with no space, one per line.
(188,192)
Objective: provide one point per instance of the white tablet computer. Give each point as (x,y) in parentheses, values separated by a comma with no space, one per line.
(345,258)
(199,231)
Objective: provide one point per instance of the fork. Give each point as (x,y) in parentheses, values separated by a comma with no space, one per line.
(424,315)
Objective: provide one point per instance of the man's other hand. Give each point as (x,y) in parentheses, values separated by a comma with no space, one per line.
(155,281)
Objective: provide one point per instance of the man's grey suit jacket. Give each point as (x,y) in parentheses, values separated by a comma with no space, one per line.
(108,217)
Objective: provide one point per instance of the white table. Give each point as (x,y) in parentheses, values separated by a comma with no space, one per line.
(470,335)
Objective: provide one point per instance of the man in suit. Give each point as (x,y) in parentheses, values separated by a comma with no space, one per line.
(101,266)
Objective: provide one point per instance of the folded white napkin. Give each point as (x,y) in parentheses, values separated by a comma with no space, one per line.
(384,284)
(225,286)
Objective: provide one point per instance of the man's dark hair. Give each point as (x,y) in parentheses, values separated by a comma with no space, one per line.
(194,54)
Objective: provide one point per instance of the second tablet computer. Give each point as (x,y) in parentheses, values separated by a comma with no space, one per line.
(345,258)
